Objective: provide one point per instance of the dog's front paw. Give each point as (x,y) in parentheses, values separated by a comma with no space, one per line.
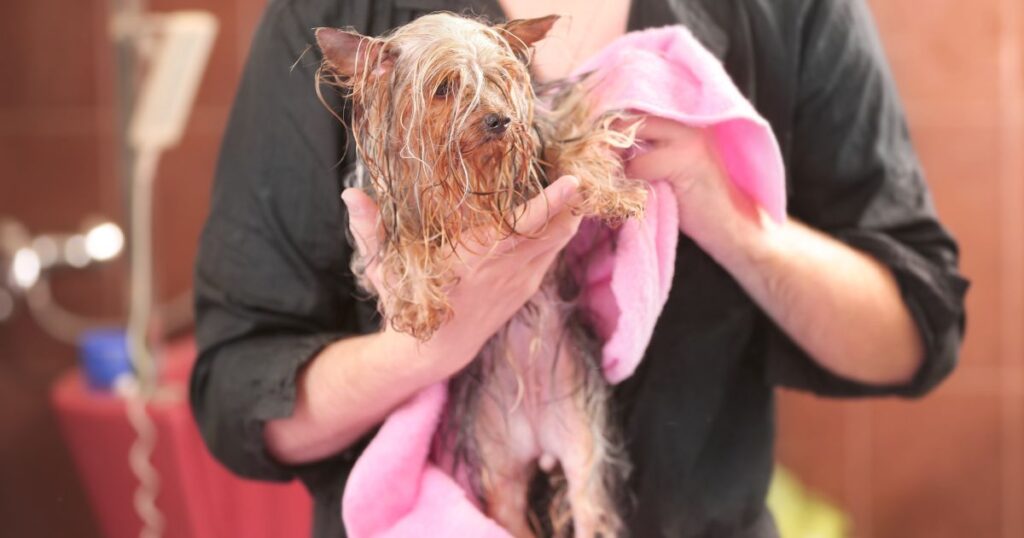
(417,313)
(616,202)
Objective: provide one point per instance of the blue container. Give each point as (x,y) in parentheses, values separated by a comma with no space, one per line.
(103,355)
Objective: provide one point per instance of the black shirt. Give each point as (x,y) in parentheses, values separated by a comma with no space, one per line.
(273,285)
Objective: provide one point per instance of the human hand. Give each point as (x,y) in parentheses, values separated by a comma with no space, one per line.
(712,210)
(495,275)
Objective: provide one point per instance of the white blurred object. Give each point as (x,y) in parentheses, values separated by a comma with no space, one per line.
(74,252)
(104,242)
(27,263)
(27,260)
(48,250)
(177,58)
(177,46)
(25,268)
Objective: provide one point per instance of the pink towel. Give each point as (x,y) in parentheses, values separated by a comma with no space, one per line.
(395,490)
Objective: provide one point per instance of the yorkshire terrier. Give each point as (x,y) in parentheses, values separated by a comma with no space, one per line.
(451,137)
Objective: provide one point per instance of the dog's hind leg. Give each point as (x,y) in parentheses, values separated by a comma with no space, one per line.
(576,429)
(507,500)
(505,477)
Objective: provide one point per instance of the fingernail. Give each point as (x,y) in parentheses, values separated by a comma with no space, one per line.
(353,208)
(573,183)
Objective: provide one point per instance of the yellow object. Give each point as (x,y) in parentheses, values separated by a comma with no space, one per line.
(802,514)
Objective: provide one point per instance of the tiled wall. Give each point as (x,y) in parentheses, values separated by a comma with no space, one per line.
(950,466)
(57,166)
(54,141)
(953,464)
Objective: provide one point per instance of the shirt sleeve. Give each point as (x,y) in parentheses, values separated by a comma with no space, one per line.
(272,285)
(854,175)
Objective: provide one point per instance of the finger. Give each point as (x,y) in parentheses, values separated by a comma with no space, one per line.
(362,221)
(627,123)
(541,261)
(654,165)
(546,205)
(529,221)
(559,231)
(655,130)
(537,212)
(561,228)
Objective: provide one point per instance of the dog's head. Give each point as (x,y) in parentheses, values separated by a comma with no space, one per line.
(442,112)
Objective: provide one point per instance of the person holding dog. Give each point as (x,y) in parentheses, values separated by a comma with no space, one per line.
(857,294)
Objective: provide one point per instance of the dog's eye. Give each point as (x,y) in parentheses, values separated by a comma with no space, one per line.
(442,89)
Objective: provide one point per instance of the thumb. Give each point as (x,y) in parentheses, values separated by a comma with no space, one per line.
(362,221)
(543,207)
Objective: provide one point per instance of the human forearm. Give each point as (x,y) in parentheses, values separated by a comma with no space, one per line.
(350,386)
(841,306)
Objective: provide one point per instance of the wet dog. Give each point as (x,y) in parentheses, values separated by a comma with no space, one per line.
(453,138)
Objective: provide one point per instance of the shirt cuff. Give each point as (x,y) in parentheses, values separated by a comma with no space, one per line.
(934,295)
(238,387)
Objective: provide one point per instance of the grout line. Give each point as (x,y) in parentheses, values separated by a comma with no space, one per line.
(858,470)
(975,381)
(1011,166)
(94,120)
(248,15)
(241,48)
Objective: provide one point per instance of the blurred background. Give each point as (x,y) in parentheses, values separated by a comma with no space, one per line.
(951,465)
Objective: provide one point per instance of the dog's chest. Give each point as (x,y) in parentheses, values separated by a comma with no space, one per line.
(532,360)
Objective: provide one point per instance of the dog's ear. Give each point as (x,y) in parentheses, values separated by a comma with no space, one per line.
(523,33)
(347,52)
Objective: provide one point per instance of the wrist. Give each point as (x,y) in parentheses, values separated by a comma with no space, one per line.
(428,362)
(748,240)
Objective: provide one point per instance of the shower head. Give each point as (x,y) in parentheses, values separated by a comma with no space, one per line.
(177,58)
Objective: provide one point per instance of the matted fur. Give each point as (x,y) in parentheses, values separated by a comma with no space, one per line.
(442,179)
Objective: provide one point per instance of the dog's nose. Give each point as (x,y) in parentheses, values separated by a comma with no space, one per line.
(496,123)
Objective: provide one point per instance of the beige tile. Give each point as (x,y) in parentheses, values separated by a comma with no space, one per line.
(961,164)
(945,50)
(937,467)
(48,60)
(186,176)
(814,442)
